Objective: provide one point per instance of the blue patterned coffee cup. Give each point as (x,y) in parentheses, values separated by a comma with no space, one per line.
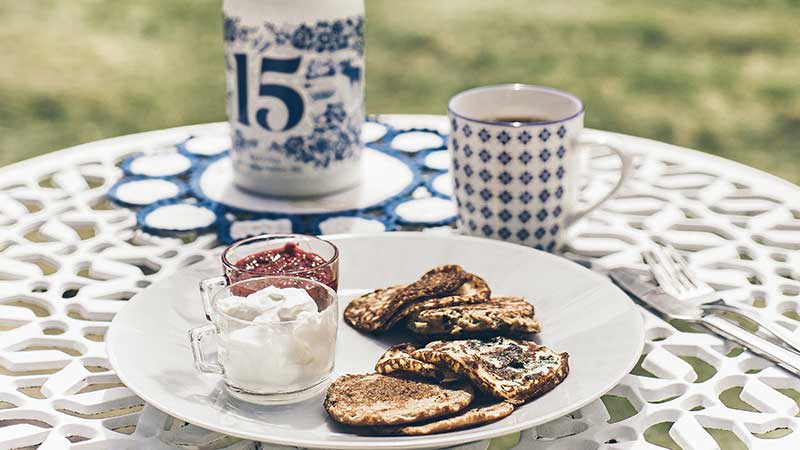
(295,77)
(515,163)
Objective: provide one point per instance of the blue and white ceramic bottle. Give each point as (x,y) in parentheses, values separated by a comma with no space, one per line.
(295,97)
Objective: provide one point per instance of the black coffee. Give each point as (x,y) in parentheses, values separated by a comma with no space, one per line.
(522,119)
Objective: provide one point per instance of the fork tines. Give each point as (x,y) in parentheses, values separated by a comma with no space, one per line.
(672,272)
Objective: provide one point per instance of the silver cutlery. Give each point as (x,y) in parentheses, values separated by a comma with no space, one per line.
(672,272)
(671,308)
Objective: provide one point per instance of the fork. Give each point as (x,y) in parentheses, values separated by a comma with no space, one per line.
(672,272)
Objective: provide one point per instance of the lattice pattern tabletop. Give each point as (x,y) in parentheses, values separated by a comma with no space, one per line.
(70,258)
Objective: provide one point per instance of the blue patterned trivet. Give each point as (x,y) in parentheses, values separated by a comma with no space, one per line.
(188,188)
(441,184)
(416,140)
(177,216)
(434,159)
(139,190)
(164,163)
(427,211)
(205,146)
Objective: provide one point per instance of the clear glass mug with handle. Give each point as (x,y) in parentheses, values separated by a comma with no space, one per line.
(275,346)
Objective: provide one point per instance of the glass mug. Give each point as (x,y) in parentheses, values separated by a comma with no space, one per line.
(235,267)
(270,362)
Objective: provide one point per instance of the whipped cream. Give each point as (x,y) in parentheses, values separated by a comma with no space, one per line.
(271,304)
(282,343)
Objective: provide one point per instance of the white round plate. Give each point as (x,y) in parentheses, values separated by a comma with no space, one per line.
(581,313)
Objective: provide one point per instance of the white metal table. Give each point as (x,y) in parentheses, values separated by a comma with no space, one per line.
(69,259)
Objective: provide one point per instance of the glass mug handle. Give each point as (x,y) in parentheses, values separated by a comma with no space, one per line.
(196,336)
(207,289)
(625,172)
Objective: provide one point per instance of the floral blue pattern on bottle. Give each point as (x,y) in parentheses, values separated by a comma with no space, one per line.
(322,36)
(329,70)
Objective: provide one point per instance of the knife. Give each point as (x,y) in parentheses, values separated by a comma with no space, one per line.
(670,308)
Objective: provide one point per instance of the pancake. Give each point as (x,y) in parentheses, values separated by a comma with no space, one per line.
(397,360)
(474,290)
(374,399)
(500,316)
(471,417)
(359,310)
(373,311)
(514,370)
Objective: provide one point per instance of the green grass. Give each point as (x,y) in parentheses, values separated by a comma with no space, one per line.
(716,76)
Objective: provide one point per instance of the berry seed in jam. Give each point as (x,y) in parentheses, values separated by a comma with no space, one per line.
(288,260)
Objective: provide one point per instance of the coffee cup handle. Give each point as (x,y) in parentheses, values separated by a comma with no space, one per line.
(207,289)
(196,338)
(625,172)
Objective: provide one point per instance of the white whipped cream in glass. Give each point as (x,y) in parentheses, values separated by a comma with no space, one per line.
(278,342)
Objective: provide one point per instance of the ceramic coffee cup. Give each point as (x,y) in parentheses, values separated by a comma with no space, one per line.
(515,163)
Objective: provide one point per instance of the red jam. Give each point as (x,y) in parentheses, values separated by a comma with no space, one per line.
(289,260)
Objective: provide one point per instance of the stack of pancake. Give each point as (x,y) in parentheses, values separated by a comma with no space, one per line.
(445,303)
(445,386)
(452,383)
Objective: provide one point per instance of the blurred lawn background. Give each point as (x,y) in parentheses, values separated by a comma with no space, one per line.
(719,76)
